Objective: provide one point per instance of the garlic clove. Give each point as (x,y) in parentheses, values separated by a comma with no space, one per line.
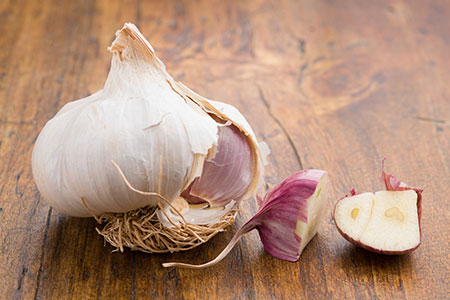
(291,213)
(228,112)
(357,209)
(385,222)
(288,218)
(228,174)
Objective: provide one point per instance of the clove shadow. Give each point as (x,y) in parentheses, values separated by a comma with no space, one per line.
(384,271)
(354,257)
(75,258)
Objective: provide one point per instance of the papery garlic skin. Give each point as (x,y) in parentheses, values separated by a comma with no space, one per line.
(155,133)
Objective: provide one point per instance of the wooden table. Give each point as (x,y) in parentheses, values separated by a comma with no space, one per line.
(336,86)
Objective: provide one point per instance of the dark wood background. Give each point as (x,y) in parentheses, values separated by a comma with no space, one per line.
(336,85)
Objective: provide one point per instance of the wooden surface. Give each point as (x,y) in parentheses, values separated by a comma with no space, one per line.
(336,85)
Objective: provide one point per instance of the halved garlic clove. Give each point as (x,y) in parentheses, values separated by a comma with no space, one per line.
(386,222)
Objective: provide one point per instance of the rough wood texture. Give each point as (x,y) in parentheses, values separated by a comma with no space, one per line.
(327,85)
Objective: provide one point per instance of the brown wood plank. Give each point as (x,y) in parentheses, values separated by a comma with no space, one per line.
(331,85)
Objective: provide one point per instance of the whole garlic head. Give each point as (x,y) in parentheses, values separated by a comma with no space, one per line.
(155,129)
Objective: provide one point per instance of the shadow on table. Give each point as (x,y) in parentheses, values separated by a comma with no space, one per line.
(76,256)
(367,267)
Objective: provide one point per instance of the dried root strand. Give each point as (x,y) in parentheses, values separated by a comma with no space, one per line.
(141,230)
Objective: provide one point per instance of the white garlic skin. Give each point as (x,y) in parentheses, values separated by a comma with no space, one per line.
(138,122)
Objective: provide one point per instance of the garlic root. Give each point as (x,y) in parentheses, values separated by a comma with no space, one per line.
(142,230)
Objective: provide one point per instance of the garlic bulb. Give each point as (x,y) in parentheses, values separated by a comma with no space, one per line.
(162,135)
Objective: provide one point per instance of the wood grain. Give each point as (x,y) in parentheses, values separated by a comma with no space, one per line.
(336,85)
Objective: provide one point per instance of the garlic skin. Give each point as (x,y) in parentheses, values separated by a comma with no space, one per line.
(157,130)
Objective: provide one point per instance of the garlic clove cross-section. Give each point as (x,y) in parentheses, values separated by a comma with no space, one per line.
(356,211)
(316,204)
(162,136)
(386,222)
